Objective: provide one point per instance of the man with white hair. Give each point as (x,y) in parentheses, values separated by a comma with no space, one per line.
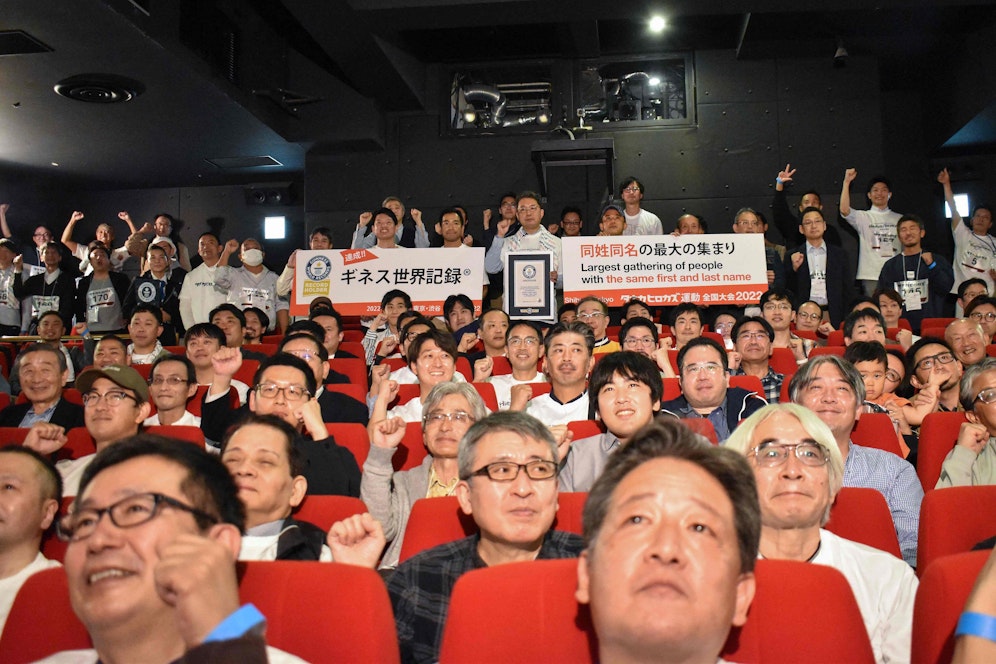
(799,471)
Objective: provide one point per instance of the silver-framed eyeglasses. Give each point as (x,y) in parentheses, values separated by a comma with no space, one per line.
(515,342)
(126,513)
(172,381)
(640,341)
(986,396)
(588,315)
(507,471)
(112,398)
(711,368)
(770,455)
(458,417)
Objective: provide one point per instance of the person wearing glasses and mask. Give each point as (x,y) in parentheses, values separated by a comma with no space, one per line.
(799,471)
(285,386)
(115,404)
(450,410)
(972,462)
(508,484)
(704,375)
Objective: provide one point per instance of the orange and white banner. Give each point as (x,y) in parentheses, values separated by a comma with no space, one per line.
(356,279)
(665,270)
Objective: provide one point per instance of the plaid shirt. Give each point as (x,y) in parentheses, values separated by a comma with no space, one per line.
(420,589)
(771,382)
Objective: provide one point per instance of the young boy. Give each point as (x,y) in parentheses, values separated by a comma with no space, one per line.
(145,326)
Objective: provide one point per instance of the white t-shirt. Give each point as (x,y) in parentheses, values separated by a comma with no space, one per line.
(273,655)
(877,239)
(409,412)
(884,587)
(644,223)
(503,387)
(13,583)
(188,420)
(549,412)
(72,472)
(974,256)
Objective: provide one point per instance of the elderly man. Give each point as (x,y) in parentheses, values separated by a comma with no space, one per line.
(568,361)
(967,340)
(42,372)
(115,403)
(627,391)
(704,374)
(176,510)
(595,314)
(799,471)
(752,337)
(253,284)
(642,525)
(748,220)
(508,484)
(832,388)
(284,385)
(973,460)
(28,504)
(450,410)
(524,341)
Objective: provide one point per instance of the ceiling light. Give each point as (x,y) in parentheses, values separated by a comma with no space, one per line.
(654,81)
(657,24)
(470,115)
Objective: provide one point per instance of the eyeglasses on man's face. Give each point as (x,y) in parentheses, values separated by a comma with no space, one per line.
(507,471)
(111,398)
(771,455)
(927,363)
(988,316)
(126,513)
(290,392)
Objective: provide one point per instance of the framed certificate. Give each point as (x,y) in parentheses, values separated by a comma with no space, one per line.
(529,291)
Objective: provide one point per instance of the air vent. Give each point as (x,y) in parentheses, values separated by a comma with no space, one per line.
(18,42)
(243,162)
(99,88)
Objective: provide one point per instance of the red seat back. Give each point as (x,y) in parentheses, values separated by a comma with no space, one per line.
(940,599)
(353,368)
(862,515)
(487,392)
(190,434)
(323,511)
(41,620)
(938,434)
(876,430)
(953,520)
(353,436)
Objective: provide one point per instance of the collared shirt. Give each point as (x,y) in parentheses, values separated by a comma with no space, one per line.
(771,382)
(541,240)
(437,488)
(421,588)
(31,417)
(586,460)
(717,417)
(895,479)
(816,256)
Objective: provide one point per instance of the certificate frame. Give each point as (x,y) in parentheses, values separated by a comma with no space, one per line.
(529,292)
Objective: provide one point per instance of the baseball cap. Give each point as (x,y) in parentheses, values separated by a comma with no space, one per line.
(119,375)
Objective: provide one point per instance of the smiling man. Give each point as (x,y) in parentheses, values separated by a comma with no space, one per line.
(568,349)
(432,358)
(972,461)
(150,562)
(752,337)
(612,222)
(967,340)
(671,529)
(595,314)
(799,472)
(508,484)
(524,343)
(42,371)
(832,388)
(172,382)
(531,237)
(627,390)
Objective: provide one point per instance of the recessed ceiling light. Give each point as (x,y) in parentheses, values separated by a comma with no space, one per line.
(657,24)
(55,163)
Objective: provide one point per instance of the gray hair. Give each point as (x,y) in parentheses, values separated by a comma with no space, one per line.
(806,374)
(478,410)
(516,423)
(967,392)
(742,440)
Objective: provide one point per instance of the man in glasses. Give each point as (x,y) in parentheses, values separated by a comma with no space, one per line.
(595,314)
(972,462)
(982,310)
(336,406)
(508,466)
(799,471)
(640,336)
(153,540)
(638,221)
(172,382)
(704,375)
(777,308)
(284,386)
(115,404)
(751,351)
(450,410)
(748,220)
(930,358)
(532,236)
(832,388)
(524,343)
(818,270)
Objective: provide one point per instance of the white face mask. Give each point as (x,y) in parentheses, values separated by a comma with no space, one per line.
(252,257)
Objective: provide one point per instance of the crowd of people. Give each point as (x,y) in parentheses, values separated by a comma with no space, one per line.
(723,435)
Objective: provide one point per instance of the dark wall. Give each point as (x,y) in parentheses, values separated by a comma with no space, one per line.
(753,117)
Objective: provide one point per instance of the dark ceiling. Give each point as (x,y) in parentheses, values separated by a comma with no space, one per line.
(231,79)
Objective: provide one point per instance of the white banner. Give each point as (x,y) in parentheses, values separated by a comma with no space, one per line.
(356,279)
(665,269)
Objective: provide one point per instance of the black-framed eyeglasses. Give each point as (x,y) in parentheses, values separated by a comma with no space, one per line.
(988,316)
(927,363)
(507,471)
(771,455)
(291,392)
(126,513)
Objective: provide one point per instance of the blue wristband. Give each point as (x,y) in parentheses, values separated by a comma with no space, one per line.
(932,265)
(778,180)
(241,622)
(977,624)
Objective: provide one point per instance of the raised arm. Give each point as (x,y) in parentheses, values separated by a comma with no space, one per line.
(945,179)
(4,228)
(845,192)
(67,235)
